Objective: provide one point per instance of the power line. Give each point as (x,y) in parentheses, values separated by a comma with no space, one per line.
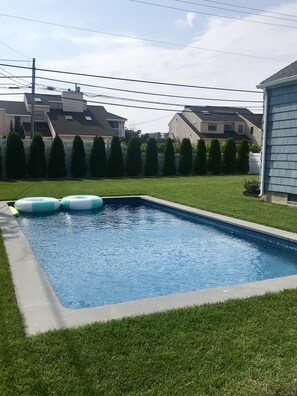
(14,50)
(238,11)
(135,80)
(209,14)
(145,39)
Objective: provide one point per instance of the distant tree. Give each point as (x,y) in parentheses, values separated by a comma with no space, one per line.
(115,165)
(151,158)
(57,166)
(15,157)
(243,163)
(200,167)
(185,157)
(37,160)
(11,126)
(169,167)
(78,158)
(133,157)
(229,157)
(215,159)
(98,160)
(18,128)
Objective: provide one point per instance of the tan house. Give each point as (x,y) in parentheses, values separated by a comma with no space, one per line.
(66,115)
(211,122)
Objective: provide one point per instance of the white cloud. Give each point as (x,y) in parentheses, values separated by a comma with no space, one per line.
(188,21)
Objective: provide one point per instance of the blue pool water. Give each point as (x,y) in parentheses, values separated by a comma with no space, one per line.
(131,250)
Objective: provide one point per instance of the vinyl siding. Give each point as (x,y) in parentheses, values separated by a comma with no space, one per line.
(281,141)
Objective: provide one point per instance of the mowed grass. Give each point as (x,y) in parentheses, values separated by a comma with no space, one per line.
(242,347)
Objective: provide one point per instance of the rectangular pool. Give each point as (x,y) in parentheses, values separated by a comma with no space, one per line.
(134,249)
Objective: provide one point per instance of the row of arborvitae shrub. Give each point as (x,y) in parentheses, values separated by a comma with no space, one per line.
(216,162)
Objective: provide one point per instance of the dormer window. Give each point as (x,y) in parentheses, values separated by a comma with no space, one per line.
(88,118)
(68,117)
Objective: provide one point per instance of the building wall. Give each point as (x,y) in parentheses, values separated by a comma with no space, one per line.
(220,126)
(281,141)
(256,136)
(180,130)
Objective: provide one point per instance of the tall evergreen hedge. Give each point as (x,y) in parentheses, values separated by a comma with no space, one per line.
(215,158)
(57,166)
(98,161)
(200,166)
(78,158)
(151,158)
(115,165)
(37,160)
(243,163)
(185,157)
(133,157)
(229,157)
(15,156)
(169,167)
(0,164)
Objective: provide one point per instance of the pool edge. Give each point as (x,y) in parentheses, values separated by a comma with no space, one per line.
(42,310)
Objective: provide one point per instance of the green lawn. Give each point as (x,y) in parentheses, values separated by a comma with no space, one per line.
(245,347)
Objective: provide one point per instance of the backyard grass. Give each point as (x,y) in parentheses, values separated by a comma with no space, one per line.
(244,347)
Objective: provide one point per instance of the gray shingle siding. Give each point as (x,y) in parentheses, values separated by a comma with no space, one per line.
(281,141)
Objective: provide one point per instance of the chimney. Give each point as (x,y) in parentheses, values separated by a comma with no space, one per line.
(73,101)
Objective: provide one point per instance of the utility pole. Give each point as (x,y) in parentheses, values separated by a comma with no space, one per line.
(32,100)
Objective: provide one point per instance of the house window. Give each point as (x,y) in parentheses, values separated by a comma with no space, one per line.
(68,117)
(114,124)
(228,127)
(55,105)
(38,115)
(212,127)
(37,100)
(252,130)
(88,118)
(240,129)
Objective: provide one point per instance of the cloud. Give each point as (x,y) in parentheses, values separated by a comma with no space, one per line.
(188,21)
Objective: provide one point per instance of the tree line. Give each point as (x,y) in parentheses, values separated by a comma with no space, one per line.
(227,158)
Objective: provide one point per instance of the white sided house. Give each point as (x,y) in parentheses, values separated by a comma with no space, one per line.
(67,115)
(213,122)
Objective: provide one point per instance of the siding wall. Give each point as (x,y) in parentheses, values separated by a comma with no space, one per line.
(281,143)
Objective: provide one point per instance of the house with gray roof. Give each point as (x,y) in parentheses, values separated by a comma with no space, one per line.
(65,115)
(216,122)
(279,148)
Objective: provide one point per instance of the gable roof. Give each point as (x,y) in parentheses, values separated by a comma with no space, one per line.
(288,72)
(255,119)
(45,99)
(15,108)
(218,113)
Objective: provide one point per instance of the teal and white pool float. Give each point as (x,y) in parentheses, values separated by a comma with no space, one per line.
(37,204)
(81,202)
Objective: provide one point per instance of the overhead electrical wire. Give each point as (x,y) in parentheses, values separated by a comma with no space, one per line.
(14,50)
(142,38)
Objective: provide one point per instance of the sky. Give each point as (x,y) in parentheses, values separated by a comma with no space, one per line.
(167,41)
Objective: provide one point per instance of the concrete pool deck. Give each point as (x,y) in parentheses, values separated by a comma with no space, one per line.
(42,310)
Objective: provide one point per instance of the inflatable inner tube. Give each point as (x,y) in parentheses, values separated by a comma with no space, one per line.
(37,204)
(81,202)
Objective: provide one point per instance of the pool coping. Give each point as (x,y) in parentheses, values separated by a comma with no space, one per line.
(42,310)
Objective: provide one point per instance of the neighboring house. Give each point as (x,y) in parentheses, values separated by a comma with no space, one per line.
(279,152)
(212,122)
(66,115)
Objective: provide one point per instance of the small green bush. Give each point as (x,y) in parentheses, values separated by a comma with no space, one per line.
(78,158)
(169,167)
(115,166)
(15,157)
(37,160)
(215,158)
(151,158)
(98,162)
(229,157)
(200,167)
(254,148)
(251,187)
(133,158)
(185,157)
(57,166)
(243,163)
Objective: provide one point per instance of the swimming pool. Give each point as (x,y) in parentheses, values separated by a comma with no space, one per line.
(134,249)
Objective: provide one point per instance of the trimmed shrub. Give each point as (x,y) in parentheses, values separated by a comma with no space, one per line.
(200,167)
(169,168)
(251,187)
(36,160)
(15,157)
(151,158)
(115,166)
(133,158)
(185,157)
(57,166)
(78,158)
(243,163)
(98,160)
(229,157)
(215,158)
